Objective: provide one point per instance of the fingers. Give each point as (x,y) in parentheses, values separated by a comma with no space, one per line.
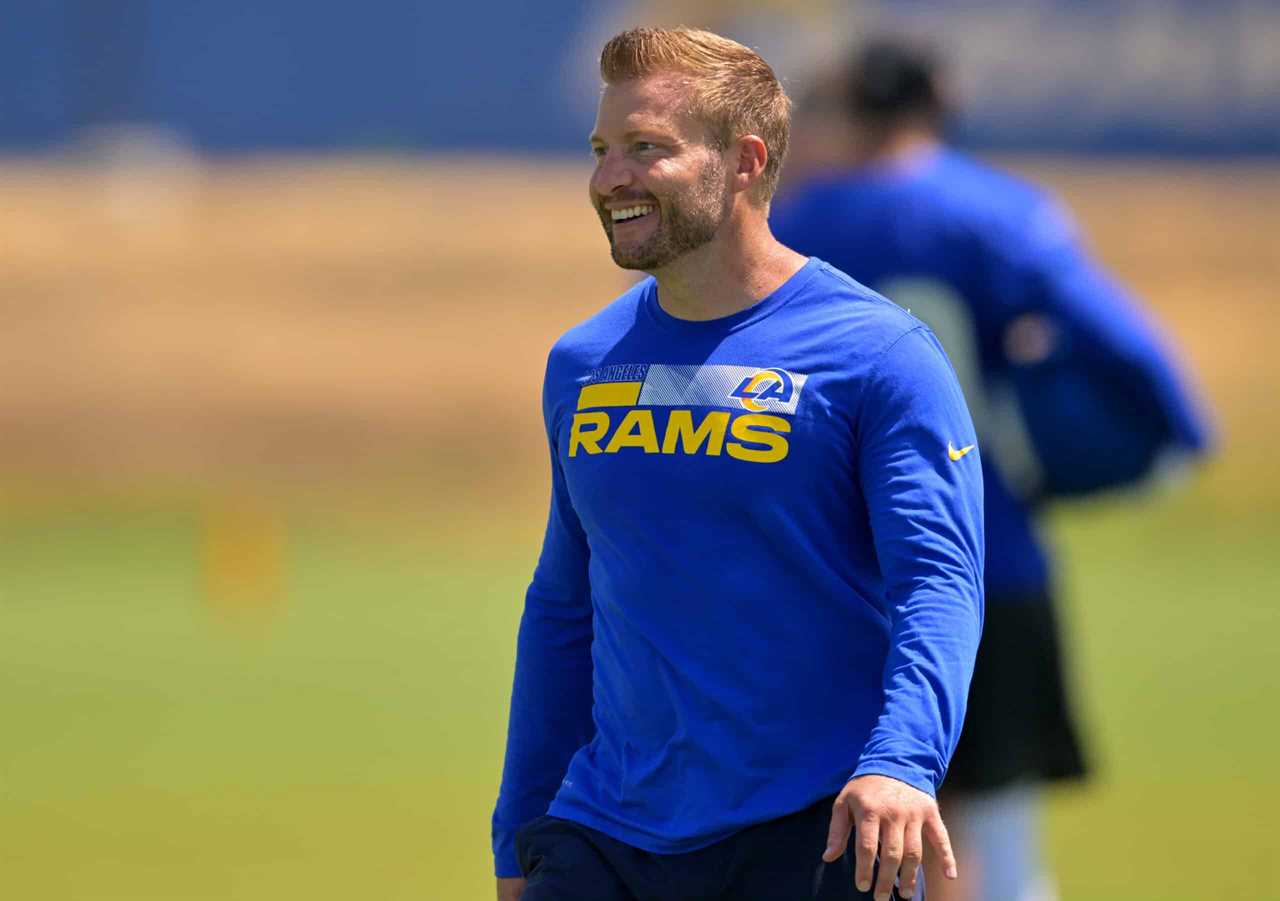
(838,832)
(935,833)
(864,859)
(912,856)
(892,846)
(896,820)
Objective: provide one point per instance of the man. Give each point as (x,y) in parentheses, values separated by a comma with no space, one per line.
(1070,388)
(751,629)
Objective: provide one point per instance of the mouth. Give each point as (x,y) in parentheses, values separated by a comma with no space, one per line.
(636,213)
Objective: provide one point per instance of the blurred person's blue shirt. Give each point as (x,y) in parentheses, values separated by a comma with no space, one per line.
(1072,388)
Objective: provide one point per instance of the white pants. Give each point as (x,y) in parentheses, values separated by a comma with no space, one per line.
(1002,829)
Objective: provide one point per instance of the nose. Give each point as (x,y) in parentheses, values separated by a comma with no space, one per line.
(612,174)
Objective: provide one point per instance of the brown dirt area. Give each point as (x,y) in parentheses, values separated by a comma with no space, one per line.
(343,319)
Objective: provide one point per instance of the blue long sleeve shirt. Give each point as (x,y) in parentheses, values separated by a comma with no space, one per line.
(1100,403)
(762,568)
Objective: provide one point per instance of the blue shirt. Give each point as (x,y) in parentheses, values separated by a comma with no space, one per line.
(1091,400)
(762,567)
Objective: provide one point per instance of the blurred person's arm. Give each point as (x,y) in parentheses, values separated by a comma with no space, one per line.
(551,696)
(1101,391)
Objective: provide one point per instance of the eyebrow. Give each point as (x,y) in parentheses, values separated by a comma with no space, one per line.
(635,132)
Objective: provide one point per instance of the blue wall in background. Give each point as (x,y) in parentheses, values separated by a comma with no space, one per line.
(244,74)
(236,75)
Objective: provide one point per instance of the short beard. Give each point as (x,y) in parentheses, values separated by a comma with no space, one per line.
(691,220)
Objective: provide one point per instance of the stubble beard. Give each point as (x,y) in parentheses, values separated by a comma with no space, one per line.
(689,220)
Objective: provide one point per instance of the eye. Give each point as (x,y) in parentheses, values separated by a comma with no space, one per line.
(644,146)
(597,150)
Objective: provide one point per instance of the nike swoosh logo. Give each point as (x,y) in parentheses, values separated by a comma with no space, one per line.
(957,454)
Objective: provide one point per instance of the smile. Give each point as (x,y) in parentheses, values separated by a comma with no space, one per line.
(632,212)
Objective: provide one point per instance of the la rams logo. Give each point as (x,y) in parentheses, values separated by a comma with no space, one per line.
(657,408)
(755,391)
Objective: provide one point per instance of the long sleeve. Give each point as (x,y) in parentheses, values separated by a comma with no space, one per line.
(1106,400)
(921,476)
(551,697)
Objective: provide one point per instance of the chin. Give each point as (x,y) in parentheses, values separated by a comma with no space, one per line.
(638,258)
(634,265)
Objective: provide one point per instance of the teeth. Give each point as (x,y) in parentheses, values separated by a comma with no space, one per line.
(631,212)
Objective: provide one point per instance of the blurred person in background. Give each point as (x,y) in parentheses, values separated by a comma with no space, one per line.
(745,650)
(1071,388)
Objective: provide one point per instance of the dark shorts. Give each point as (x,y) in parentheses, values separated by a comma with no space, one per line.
(780,860)
(1019,726)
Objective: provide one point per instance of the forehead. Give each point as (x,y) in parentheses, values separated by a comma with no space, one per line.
(652,103)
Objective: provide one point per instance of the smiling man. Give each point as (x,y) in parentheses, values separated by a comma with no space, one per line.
(744,654)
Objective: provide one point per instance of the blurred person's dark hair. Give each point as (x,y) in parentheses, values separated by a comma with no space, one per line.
(886,96)
(892,81)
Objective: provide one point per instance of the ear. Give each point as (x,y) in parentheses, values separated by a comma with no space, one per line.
(749,155)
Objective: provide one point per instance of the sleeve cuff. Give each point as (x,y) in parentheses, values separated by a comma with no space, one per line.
(920,779)
(506,864)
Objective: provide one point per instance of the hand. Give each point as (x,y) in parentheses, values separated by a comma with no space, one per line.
(891,816)
(510,888)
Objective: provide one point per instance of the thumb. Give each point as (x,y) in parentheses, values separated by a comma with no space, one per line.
(838,833)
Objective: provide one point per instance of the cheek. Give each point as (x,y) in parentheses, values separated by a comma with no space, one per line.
(593,184)
(663,177)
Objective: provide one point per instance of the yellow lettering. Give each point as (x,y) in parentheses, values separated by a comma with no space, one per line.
(635,430)
(680,431)
(759,428)
(759,436)
(586,432)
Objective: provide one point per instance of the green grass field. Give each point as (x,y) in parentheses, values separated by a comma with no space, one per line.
(344,331)
(347,742)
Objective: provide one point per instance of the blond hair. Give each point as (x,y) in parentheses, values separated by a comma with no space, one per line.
(734,91)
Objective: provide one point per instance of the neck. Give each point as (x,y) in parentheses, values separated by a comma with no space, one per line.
(895,146)
(741,266)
